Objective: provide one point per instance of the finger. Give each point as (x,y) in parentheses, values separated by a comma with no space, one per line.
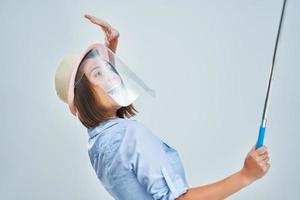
(261,154)
(104,24)
(98,21)
(91,18)
(87,16)
(266,167)
(267,159)
(105,28)
(109,31)
(261,150)
(252,150)
(263,158)
(258,157)
(263,162)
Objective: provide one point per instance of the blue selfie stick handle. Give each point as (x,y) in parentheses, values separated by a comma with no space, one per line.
(261,136)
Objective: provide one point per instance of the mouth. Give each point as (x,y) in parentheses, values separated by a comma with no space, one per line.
(113,84)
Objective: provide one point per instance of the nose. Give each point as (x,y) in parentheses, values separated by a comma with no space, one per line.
(114,80)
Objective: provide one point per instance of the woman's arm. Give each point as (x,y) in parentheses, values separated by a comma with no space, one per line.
(112,35)
(216,191)
(256,165)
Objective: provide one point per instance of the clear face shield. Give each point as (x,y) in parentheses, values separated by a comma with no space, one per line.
(118,81)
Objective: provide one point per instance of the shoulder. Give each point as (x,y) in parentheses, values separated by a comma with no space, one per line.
(138,141)
(138,132)
(133,123)
(127,133)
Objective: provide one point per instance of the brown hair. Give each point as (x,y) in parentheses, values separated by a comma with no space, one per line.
(90,112)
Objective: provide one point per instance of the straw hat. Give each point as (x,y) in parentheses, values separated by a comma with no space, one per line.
(65,77)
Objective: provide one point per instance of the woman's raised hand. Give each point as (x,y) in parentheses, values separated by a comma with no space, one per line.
(256,164)
(112,35)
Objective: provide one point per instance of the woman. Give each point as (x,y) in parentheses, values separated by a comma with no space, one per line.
(130,161)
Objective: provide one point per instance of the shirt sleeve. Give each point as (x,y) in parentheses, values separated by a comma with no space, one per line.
(143,152)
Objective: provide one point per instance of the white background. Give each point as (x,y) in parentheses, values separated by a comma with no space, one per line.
(209,63)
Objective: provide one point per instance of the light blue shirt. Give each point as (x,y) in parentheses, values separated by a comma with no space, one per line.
(132,163)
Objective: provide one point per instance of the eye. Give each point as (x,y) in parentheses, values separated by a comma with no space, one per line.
(98,73)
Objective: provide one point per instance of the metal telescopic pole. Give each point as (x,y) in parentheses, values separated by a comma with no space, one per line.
(262,128)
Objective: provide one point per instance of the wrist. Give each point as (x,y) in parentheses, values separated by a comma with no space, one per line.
(246,180)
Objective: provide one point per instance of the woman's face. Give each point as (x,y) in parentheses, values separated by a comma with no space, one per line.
(102,77)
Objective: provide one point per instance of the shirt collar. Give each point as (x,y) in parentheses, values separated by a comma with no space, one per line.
(93,131)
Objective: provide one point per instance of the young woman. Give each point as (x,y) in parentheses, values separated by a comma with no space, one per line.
(130,161)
